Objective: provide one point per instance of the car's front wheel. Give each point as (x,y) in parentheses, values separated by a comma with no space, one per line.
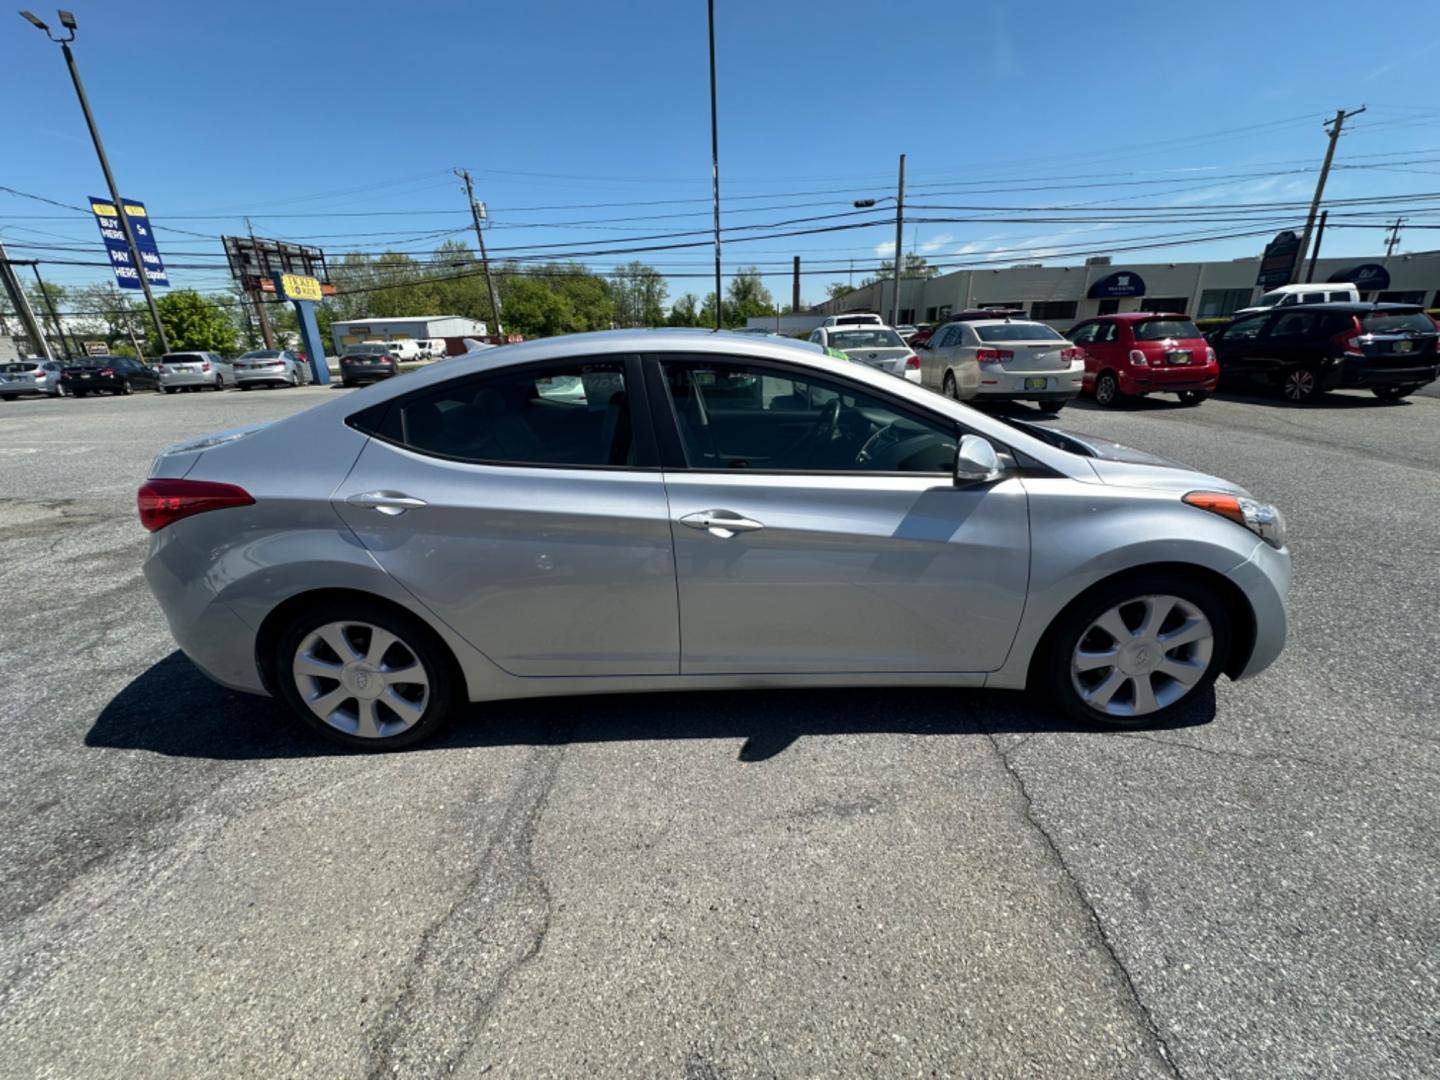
(1300,385)
(365,675)
(1136,650)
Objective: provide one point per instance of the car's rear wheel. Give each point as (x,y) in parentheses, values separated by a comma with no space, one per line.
(1300,385)
(125,387)
(1393,393)
(1192,397)
(365,675)
(1136,650)
(219,382)
(1107,389)
(951,391)
(244,385)
(294,379)
(168,389)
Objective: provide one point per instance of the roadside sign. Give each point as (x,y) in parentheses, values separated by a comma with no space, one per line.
(298,287)
(108,218)
(1277,265)
(96,348)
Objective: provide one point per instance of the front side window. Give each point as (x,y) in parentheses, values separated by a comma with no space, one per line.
(1084,334)
(1295,324)
(561,414)
(737,416)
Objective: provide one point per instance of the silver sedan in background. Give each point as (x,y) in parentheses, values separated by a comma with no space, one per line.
(270,367)
(31,377)
(680,510)
(194,371)
(1003,360)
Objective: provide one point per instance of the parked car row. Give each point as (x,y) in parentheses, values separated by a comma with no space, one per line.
(172,373)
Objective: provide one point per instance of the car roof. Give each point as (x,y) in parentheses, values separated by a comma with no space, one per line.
(1351,306)
(999,322)
(1133,316)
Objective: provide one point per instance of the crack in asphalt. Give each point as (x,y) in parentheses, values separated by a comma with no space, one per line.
(460,969)
(1209,752)
(1161,1046)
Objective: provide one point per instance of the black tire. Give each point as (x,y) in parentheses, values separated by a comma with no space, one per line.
(1051,406)
(244,385)
(1052,671)
(81,393)
(1301,385)
(1107,390)
(347,383)
(294,379)
(219,382)
(1192,397)
(9,397)
(951,390)
(416,638)
(125,388)
(167,389)
(1392,393)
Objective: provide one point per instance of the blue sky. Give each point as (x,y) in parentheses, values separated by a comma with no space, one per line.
(337,124)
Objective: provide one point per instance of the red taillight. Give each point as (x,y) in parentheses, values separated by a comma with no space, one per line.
(205,366)
(912,363)
(163,502)
(107,371)
(1071,355)
(993,356)
(1209,355)
(1349,340)
(1138,358)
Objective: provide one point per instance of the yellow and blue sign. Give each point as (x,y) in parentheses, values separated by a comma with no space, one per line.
(113,233)
(298,287)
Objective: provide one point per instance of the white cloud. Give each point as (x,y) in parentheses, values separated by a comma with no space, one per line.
(935,243)
(886,249)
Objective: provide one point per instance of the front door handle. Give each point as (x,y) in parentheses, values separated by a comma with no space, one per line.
(387,502)
(721,523)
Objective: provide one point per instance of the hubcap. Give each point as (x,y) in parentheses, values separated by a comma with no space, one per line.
(361,679)
(1299,385)
(1142,655)
(950,391)
(1105,390)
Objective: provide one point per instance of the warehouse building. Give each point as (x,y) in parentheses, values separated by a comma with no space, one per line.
(1062,295)
(416,328)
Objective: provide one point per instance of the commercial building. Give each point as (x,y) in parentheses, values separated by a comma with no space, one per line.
(1062,295)
(359,331)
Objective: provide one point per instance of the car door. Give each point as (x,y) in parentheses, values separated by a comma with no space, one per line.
(141,375)
(1236,347)
(1084,335)
(932,361)
(1284,343)
(524,506)
(848,550)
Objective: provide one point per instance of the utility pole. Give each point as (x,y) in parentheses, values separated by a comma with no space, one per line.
(265,331)
(1315,255)
(715,162)
(22,306)
(795,289)
(476,209)
(899,238)
(1394,240)
(68,21)
(1334,127)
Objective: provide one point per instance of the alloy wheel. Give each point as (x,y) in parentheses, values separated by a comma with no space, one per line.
(950,391)
(1105,389)
(361,679)
(1299,385)
(1142,655)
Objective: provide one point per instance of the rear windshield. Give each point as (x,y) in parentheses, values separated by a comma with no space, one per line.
(866,339)
(182,357)
(1156,329)
(21,368)
(857,320)
(1018,331)
(1401,323)
(261,354)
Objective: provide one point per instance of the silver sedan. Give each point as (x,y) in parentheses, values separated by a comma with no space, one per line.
(663,510)
(270,367)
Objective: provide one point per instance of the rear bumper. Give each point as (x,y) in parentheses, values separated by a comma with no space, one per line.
(1167,380)
(1357,372)
(365,374)
(280,376)
(85,386)
(1060,385)
(986,394)
(189,378)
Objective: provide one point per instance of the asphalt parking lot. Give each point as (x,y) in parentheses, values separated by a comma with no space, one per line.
(870,883)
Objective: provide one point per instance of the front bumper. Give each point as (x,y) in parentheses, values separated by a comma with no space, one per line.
(1264,578)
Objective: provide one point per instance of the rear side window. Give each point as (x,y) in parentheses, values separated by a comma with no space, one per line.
(1244,329)
(1296,324)
(1026,331)
(1157,329)
(1402,323)
(568,414)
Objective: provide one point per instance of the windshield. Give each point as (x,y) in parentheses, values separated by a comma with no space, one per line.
(1403,322)
(1270,299)
(1051,436)
(1158,329)
(866,339)
(1022,331)
(261,354)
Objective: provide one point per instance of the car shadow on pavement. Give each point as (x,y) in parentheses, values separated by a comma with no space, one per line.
(172,709)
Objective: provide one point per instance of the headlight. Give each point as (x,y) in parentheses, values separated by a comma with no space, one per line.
(1263,519)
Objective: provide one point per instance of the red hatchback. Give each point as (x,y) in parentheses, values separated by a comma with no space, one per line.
(1145,352)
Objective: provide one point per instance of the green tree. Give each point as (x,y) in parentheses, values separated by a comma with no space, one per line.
(685,311)
(639,293)
(192,321)
(837,289)
(746,297)
(914,266)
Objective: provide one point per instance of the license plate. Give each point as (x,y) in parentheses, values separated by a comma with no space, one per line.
(1034,384)
(1178,357)
(1404,346)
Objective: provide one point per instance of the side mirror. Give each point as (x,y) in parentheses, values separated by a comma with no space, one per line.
(975,461)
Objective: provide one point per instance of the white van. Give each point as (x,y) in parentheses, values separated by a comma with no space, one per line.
(854,318)
(407,349)
(1340,292)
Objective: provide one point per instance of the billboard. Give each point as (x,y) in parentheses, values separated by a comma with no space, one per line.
(1277,265)
(1120,283)
(111,231)
(256,263)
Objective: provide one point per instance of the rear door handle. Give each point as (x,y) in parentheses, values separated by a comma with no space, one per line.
(392,503)
(721,523)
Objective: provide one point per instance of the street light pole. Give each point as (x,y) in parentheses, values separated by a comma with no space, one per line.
(715,162)
(899,237)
